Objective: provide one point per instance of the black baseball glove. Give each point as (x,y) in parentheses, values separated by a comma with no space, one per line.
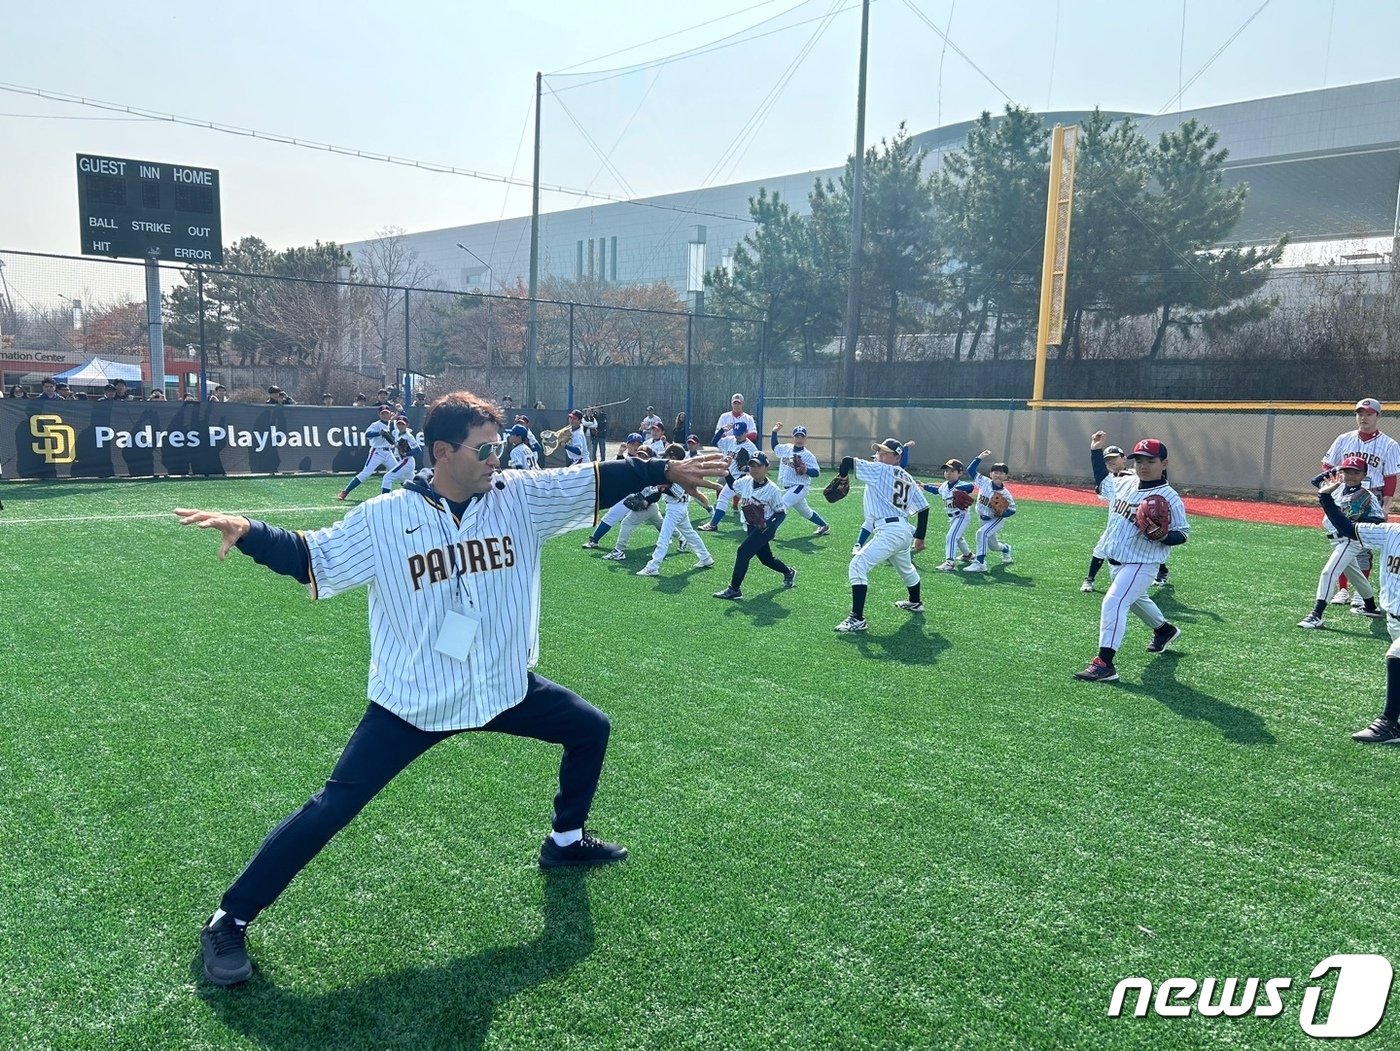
(635,502)
(837,489)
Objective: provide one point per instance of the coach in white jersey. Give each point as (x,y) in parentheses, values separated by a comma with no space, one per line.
(1382,454)
(452,563)
(891,496)
(1133,558)
(735,415)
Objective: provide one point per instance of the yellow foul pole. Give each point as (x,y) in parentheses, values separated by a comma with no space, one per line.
(1055,266)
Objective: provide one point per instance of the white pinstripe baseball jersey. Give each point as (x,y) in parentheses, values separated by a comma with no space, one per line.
(890,491)
(419,563)
(1386,540)
(1382,453)
(787,454)
(985,489)
(381,435)
(522,458)
(768,495)
(1122,541)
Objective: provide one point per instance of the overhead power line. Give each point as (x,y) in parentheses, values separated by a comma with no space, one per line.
(349,151)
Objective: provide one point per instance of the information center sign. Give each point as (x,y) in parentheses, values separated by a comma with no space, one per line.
(147,209)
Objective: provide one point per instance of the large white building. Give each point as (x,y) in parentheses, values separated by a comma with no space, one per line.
(1321,165)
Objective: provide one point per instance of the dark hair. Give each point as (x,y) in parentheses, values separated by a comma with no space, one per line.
(450,418)
(674,452)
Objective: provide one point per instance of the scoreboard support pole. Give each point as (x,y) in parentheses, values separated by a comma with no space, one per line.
(155,331)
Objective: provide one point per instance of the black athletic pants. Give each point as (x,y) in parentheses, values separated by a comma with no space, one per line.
(383,744)
(755,545)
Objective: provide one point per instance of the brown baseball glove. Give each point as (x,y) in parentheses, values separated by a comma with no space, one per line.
(837,489)
(962,499)
(998,503)
(405,450)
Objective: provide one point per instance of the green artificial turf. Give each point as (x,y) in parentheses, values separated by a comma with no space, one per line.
(929,835)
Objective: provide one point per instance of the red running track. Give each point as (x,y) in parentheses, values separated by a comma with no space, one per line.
(1210,506)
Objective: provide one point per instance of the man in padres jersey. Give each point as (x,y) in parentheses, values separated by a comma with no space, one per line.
(1133,558)
(891,496)
(452,563)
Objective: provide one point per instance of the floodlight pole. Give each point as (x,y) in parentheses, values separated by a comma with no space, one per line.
(530,334)
(848,355)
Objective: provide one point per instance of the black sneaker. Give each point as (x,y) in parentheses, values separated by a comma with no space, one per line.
(789,578)
(1163,637)
(729,593)
(225,951)
(1098,671)
(1363,611)
(1382,731)
(590,850)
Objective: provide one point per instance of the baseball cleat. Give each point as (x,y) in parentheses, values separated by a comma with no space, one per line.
(1098,671)
(590,850)
(706,528)
(1312,620)
(1006,558)
(1342,597)
(680,545)
(912,607)
(648,570)
(589,545)
(615,555)
(966,556)
(790,578)
(729,593)
(851,624)
(1163,637)
(1362,611)
(225,951)
(855,549)
(822,531)
(1382,731)
(946,566)
(975,567)
(1088,585)
(341,495)
(705,563)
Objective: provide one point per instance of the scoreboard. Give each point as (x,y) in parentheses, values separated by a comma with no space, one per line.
(145,209)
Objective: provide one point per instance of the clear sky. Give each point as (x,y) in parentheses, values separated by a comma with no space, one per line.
(453,83)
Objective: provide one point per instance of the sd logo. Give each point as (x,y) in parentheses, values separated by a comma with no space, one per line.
(56,441)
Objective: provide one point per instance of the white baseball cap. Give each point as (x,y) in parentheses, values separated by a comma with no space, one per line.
(737,397)
(1370,405)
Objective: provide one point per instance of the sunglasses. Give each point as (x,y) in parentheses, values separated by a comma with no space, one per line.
(485,450)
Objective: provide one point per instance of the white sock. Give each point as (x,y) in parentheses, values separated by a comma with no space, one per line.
(220,914)
(567,839)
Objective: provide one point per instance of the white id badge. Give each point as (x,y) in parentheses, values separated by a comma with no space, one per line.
(456,635)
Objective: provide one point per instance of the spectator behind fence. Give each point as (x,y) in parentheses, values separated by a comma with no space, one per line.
(219,393)
(120,391)
(65,392)
(157,395)
(109,392)
(18,391)
(327,400)
(48,390)
(359,401)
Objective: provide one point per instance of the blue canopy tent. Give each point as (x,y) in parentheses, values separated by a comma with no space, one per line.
(100,371)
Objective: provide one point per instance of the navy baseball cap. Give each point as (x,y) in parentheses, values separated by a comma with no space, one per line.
(741,428)
(522,418)
(635,437)
(576,414)
(386,408)
(1149,448)
(693,438)
(520,431)
(890,445)
(761,459)
(1112,450)
(799,431)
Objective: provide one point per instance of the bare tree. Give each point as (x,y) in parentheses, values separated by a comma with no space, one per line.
(388,266)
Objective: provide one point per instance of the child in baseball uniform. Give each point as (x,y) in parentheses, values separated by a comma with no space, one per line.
(988,487)
(1117,464)
(406,443)
(657,442)
(867,527)
(380,436)
(676,520)
(797,471)
(521,457)
(1359,504)
(762,509)
(737,440)
(618,511)
(1384,538)
(1133,557)
(958,499)
(1382,455)
(891,496)
(642,510)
